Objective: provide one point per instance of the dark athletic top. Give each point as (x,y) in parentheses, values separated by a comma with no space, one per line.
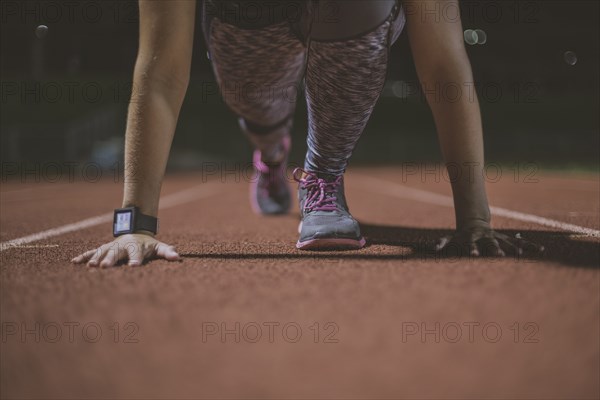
(326,19)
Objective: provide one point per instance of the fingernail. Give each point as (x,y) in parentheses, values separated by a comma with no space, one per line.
(93,262)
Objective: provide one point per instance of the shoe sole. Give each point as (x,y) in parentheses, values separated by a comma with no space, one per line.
(331,244)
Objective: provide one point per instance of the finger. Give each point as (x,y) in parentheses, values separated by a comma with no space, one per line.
(509,242)
(516,249)
(442,243)
(474,236)
(98,255)
(491,247)
(135,254)
(473,250)
(524,244)
(167,252)
(83,257)
(112,257)
(530,246)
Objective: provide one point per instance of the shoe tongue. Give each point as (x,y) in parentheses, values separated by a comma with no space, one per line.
(325,177)
(328,178)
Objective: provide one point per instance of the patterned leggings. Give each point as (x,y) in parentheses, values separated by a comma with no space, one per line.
(260,72)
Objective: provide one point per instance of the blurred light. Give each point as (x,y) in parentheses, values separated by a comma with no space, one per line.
(107,153)
(481,36)
(470,37)
(41,31)
(570,58)
(400,89)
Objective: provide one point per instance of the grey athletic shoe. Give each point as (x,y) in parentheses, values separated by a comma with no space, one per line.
(326,221)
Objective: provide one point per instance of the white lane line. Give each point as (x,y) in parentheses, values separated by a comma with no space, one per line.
(172,200)
(36,246)
(405,192)
(42,186)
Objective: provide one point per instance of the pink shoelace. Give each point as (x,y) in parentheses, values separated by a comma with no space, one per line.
(321,194)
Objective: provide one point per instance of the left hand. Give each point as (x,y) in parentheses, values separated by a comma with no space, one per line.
(136,248)
(484,241)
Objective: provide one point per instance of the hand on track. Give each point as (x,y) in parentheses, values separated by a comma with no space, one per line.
(484,241)
(135,248)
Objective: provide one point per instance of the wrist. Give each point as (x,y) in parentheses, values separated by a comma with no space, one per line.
(131,220)
(469,213)
(143,207)
(146,233)
(472,222)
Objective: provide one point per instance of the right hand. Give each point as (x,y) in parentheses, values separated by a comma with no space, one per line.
(482,240)
(136,248)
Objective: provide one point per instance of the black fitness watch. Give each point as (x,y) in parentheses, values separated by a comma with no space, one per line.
(131,220)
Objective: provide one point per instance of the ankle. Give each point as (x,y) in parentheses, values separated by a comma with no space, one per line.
(273,157)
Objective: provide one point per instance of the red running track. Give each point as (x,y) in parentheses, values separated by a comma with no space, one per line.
(246,315)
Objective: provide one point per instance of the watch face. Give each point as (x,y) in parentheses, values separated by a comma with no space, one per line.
(123,222)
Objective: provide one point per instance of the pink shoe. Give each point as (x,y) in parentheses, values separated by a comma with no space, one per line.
(269,191)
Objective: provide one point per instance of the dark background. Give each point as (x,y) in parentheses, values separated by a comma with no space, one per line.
(64,96)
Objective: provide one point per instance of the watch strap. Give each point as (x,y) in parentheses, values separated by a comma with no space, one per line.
(145,223)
